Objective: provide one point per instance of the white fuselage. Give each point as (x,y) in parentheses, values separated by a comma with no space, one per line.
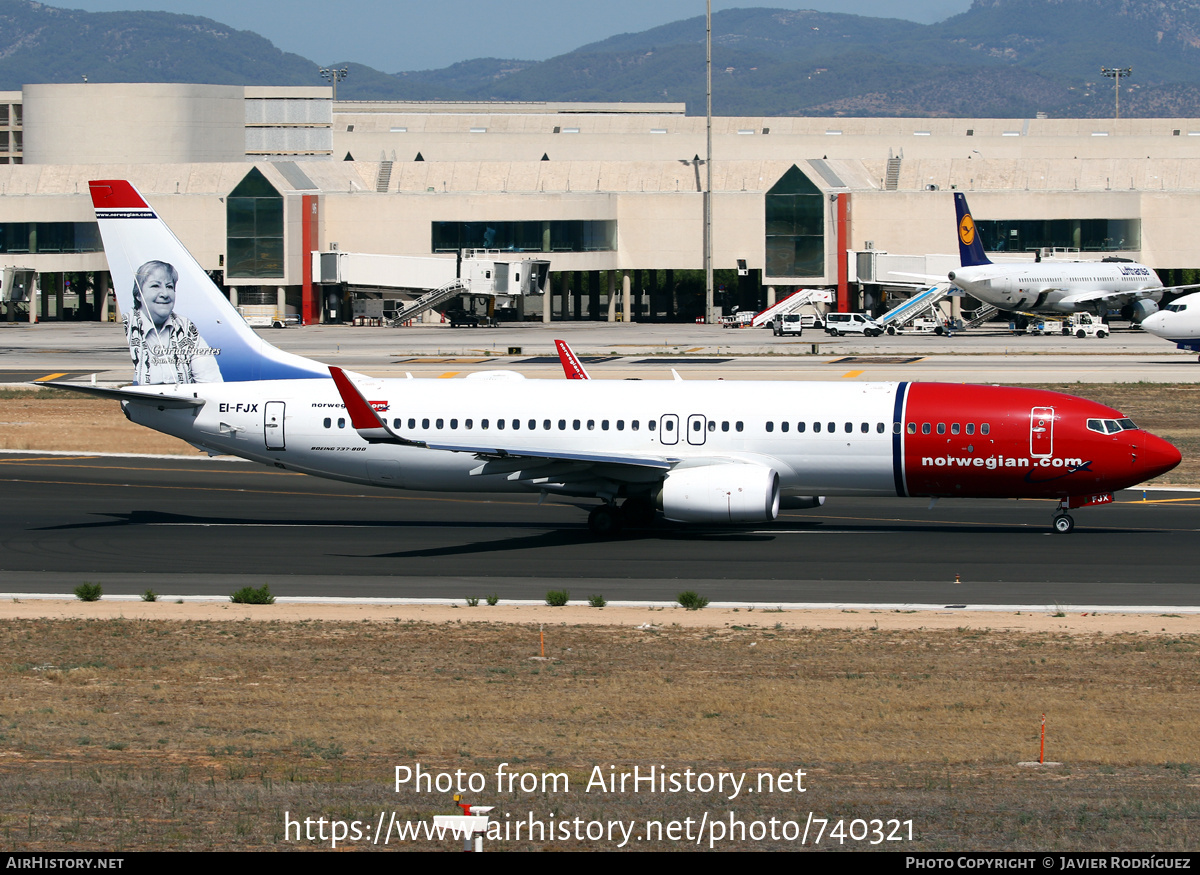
(302,425)
(1178,322)
(1041,287)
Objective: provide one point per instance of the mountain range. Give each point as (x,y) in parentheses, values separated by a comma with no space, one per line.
(1000,58)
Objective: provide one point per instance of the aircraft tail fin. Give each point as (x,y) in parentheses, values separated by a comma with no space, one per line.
(970,247)
(181,328)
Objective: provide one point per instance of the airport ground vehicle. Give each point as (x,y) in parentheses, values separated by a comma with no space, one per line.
(838,324)
(704,452)
(788,324)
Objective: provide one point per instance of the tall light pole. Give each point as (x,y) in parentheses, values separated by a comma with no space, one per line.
(1115,73)
(331,74)
(708,247)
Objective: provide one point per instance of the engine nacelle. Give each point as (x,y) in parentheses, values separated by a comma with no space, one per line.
(801,502)
(721,494)
(1139,310)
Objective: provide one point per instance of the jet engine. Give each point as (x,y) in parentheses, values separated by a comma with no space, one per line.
(1139,310)
(728,493)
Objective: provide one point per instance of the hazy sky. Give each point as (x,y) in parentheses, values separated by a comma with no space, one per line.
(395,36)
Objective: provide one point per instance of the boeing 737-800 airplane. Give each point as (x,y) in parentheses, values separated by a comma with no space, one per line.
(699,451)
(1178,322)
(1053,286)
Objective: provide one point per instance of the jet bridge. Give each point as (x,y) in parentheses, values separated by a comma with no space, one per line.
(402,287)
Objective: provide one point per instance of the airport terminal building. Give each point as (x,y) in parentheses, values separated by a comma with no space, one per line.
(254,180)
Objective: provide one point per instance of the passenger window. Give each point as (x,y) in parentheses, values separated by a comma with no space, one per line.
(712,425)
(532,424)
(329,422)
(832,427)
(424,423)
(470,423)
(500,424)
(696,425)
(770,426)
(454,423)
(865,427)
(925,429)
(633,426)
(783,426)
(738,426)
(395,423)
(341,422)
(651,424)
(412,423)
(941,428)
(912,428)
(562,425)
(440,423)
(800,427)
(604,425)
(546,424)
(725,425)
(879,427)
(516,423)
(954,428)
(816,428)
(620,425)
(483,423)
(591,425)
(970,428)
(984,429)
(575,424)
(670,426)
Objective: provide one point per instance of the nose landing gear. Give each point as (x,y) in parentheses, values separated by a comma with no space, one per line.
(1064,523)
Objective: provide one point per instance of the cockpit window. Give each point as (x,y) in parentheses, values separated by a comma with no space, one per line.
(1110,426)
(1176,308)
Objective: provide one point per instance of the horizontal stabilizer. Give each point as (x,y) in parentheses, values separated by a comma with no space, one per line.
(154,399)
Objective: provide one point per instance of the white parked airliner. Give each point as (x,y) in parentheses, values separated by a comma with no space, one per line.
(1053,286)
(1178,322)
(698,451)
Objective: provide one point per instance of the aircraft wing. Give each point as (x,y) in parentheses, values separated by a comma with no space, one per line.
(1115,297)
(373,429)
(152,398)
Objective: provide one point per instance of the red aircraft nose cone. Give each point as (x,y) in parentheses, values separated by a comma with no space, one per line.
(1155,456)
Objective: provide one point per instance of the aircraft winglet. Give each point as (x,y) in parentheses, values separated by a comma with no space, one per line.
(571,365)
(363,417)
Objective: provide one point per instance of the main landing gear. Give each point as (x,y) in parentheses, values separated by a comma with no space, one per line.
(607,520)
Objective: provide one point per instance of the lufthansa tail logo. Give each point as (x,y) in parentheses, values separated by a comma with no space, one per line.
(966,230)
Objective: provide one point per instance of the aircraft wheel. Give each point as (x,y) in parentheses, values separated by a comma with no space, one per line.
(637,512)
(1064,524)
(604,521)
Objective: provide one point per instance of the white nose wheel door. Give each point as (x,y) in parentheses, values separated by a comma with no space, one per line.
(273,426)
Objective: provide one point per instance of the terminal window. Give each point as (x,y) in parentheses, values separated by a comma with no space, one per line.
(254,228)
(795,227)
(1085,235)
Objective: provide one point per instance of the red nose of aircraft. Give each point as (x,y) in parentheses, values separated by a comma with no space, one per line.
(1154,456)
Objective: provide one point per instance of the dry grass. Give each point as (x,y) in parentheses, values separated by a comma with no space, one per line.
(160,734)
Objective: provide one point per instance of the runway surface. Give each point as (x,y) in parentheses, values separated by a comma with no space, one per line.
(212,526)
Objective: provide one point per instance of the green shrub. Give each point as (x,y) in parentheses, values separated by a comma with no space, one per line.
(472,602)
(692,601)
(149,596)
(597,601)
(89,592)
(556,598)
(493,599)
(250,596)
